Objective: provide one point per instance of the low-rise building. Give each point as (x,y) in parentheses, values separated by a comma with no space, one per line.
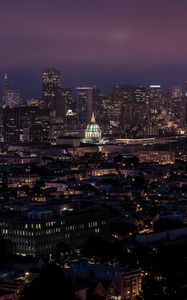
(120,283)
(160,157)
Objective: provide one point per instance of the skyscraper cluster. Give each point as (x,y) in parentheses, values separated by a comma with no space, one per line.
(126,112)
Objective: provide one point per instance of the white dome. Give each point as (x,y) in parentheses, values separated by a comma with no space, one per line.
(93,130)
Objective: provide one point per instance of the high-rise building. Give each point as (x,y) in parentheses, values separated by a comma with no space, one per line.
(6,84)
(71,118)
(64,102)
(177,108)
(155,92)
(10,125)
(176,91)
(11,98)
(141,94)
(122,95)
(51,87)
(155,108)
(25,124)
(128,104)
(84,104)
(69,100)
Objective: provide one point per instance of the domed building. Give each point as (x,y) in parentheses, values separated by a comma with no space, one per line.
(93,130)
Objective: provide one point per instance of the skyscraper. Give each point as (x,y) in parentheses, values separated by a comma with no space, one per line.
(141,94)
(178,106)
(69,100)
(11,98)
(155,108)
(25,124)
(155,92)
(176,91)
(84,104)
(6,84)
(51,87)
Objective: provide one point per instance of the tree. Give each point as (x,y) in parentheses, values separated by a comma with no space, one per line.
(37,187)
(61,252)
(167,224)
(51,284)
(123,229)
(103,251)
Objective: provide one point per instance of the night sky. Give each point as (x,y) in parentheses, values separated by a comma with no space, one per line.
(93,41)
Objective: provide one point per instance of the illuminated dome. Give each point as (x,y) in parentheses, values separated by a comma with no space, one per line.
(93,130)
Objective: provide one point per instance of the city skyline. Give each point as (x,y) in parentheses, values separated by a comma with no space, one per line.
(100,42)
(26,91)
(93,150)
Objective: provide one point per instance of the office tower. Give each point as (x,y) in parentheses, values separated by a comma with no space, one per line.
(11,125)
(102,108)
(105,115)
(35,124)
(155,107)
(155,92)
(141,94)
(25,124)
(84,104)
(6,84)
(64,102)
(177,108)
(185,112)
(97,99)
(71,118)
(51,87)
(69,100)
(123,109)
(130,115)
(176,91)
(59,107)
(11,98)
(120,98)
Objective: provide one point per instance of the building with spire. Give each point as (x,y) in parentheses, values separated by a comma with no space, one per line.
(11,97)
(6,83)
(6,87)
(93,130)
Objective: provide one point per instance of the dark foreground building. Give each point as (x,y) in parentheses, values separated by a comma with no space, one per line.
(38,232)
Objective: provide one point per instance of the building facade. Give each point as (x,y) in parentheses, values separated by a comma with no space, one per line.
(38,233)
(25,124)
(93,130)
(51,87)
(84,104)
